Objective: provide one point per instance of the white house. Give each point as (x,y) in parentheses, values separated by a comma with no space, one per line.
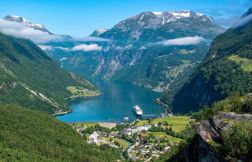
(93,138)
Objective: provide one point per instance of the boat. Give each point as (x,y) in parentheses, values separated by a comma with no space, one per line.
(126,118)
(138,111)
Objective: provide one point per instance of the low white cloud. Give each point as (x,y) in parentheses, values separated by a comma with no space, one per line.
(87,47)
(80,47)
(242,21)
(19,30)
(92,39)
(45,48)
(182,41)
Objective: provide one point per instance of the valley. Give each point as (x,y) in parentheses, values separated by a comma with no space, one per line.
(168,86)
(141,50)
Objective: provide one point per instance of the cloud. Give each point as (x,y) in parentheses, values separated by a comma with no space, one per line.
(182,41)
(19,30)
(242,21)
(92,39)
(80,47)
(87,47)
(227,12)
(45,48)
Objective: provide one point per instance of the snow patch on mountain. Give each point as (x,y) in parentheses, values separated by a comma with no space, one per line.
(157,13)
(21,30)
(141,18)
(45,48)
(102,30)
(180,14)
(24,21)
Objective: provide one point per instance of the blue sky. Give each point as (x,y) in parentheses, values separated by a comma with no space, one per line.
(80,17)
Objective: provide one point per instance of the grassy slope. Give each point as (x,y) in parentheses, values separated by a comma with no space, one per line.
(246,64)
(30,136)
(25,64)
(178,123)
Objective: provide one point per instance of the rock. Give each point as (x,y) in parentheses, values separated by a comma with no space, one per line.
(198,151)
(211,129)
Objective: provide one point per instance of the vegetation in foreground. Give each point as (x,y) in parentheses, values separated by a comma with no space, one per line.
(236,140)
(33,136)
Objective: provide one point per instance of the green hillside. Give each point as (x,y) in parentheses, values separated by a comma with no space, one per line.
(28,77)
(33,136)
(225,70)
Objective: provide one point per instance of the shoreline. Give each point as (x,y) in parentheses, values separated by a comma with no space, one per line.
(62,113)
(72,98)
(85,96)
(164,106)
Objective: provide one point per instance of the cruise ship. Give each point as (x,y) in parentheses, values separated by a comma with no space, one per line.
(138,111)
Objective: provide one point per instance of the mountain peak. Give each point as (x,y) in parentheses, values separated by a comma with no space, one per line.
(170,16)
(98,32)
(25,22)
(249,12)
(245,19)
(15,18)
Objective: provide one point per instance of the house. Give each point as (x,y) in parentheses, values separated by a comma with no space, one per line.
(141,128)
(93,138)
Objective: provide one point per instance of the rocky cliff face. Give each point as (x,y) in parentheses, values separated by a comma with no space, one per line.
(197,151)
(211,129)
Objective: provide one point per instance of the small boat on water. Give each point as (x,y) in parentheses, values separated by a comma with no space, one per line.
(126,118)
(138,111)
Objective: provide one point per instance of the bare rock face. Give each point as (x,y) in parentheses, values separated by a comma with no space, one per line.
(211,129)
(198,151)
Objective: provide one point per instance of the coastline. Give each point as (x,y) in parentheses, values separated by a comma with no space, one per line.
(84,96)
(164,106)
(61,113)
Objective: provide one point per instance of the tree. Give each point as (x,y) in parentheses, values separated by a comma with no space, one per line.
(237,140)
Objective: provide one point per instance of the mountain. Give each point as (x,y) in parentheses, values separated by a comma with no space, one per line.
(157,26)
(33,136)
(226,69)
(28,77)
(20,27)
(22,20)
(98,32)
(155,50)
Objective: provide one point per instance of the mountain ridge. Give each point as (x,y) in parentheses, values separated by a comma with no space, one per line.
(156,56)
(226,69)
(24,21)
(30,78)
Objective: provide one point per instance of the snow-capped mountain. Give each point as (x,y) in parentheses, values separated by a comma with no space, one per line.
(157,26)
(20,27)
(157,50)
(98,32)
(27,23)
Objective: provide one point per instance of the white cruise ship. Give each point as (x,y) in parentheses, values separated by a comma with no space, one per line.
(138,110)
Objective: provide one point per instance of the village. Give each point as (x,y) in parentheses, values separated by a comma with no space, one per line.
(140,140)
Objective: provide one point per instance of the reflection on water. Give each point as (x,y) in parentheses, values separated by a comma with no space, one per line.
(116,102)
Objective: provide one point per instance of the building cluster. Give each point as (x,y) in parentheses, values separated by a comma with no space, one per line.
(132,136)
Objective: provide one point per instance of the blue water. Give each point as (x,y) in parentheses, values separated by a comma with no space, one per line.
(115,103)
